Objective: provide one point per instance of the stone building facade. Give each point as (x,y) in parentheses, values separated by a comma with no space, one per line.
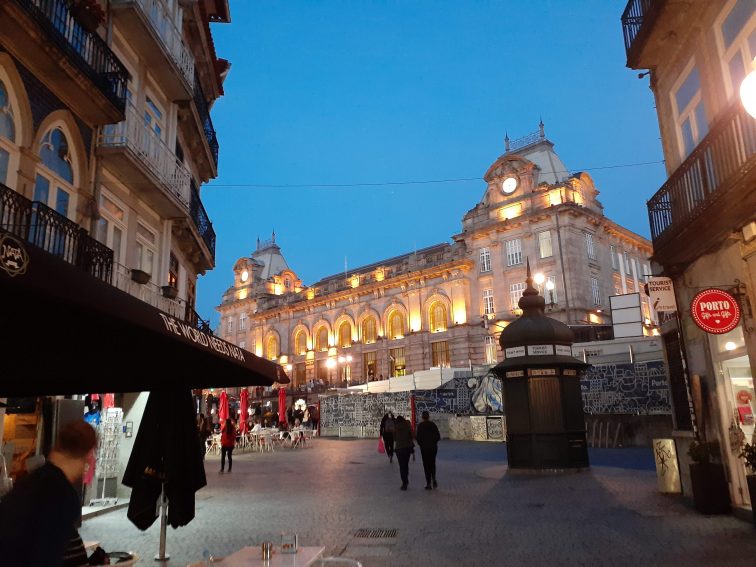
(444,305)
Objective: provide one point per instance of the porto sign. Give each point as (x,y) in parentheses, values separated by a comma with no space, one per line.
(715,311)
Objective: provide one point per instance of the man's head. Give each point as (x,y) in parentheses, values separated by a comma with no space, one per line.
(76,440)
(425,415)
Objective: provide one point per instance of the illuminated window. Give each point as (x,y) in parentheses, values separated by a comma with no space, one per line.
(438,318)
(370,364)
(397,364)
(271,348)
(485,260)
(738,34)
(689,111)
(440,354)
(287,283)
(514,252)
(544,244)
(369,330)
(300,342)
(490,346)
(345,334)
(488,302)
(146,248)
(589,247)
(396,325)
(515,293)
(321,339)
(595,291)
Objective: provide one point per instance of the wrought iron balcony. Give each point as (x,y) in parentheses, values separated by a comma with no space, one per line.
(207,124)
(202,222)
(715,169)
(38,224)
(86,50)
(637,21)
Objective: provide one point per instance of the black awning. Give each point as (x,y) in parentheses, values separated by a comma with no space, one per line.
(63,331)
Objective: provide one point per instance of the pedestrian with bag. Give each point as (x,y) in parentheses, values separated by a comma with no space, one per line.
(428,438)
(228,440)
(404,446)
(387,433)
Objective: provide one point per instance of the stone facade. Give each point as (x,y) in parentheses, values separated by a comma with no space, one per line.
(444,305)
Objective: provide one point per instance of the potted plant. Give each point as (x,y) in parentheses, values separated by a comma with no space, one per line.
(139,276)
(88,13)
(710,492)
(170,291)
(748,454)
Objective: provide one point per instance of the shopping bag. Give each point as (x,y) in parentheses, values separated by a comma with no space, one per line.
(381,448)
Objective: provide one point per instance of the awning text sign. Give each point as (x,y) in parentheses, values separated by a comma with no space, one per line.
(187,331)
(661,292)
(715,311)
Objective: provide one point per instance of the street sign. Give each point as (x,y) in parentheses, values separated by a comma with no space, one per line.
(661,293)
(715,311)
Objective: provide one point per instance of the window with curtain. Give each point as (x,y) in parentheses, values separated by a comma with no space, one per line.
(345,334)
(300,342)
(490,346)
(271,348)
(488,302)
(485,260)
(369,330)
(440,354)
(321,339)
(438,318)
(545,249)
(514,252)
(396,325)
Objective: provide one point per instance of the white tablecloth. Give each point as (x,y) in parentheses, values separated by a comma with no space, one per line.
(252,557)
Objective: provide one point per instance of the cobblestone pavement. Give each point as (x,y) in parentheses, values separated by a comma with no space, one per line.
(611,515)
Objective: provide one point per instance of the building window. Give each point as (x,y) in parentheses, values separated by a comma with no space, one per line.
(287,283)
(488,302)
(321,339)
(738,34)
(345,334)
(173,270)
(370,364)
(514,252)
(7,133)
(53,185)
(690,113)
(590,249)
(397,365)
(396,325)
(271,348)
(369,330)
(613,254)
(490,350)
(617,283)
(243,344)
(146,248)
(300,342)
(595,291)
(485,260)
(544,244)
(438,320)
(549,292)
(153,118)
(229,325)
(111,227)
(440,354)
(515,293)
(242,321)
(626,258)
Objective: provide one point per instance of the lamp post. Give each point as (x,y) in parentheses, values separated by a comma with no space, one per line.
(748,91)
(550,288)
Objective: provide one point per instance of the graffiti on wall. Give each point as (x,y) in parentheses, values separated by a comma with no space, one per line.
(362,410)
(638,388)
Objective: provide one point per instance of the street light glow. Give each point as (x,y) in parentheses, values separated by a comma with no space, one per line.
(550,285)
(330,363)
(539,278)
(748,91)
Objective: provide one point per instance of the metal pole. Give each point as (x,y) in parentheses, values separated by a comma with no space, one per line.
(161,555)
(683,359)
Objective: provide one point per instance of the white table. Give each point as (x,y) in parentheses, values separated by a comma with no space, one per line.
(252,557)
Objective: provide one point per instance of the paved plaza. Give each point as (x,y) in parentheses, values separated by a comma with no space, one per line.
(480,515)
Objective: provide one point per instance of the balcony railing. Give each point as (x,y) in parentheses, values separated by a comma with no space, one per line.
(202,221)
(38,224)
(153,152)
(632,20)
(718,160)
(163,25)
(207,123)
(85,49)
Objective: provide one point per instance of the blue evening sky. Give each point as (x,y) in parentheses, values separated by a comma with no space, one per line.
(362,91)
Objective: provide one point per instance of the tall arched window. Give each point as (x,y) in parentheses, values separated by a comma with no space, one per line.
(53,185)
(369,330)
(396,325)
(7,132)
(300,342)
(321,339)
(271,348)
(438,320)
(345,334)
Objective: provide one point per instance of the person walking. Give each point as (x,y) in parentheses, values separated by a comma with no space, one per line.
(387,433)
(404,446)
(228,440)
(203,433)
(428,437)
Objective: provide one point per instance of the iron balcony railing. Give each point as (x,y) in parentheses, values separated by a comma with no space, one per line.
(151,150)
(38,224)
(162,22)
(85,49)
(202,221)
(207,123)
(720,158)
(636,12)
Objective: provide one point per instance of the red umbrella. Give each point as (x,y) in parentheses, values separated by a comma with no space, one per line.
(108,401)
(223,408)
(282,405)
(244,401)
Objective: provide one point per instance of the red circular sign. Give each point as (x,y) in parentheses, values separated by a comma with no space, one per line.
(715,311)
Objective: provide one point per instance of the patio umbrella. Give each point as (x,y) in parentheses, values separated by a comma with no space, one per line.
(108,401)
(244,401)
(282,405)
(223,408)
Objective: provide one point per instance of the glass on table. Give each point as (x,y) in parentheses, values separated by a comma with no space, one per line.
(288,542)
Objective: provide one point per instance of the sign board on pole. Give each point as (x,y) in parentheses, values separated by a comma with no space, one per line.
(715,311)
(627,317)
(661,292)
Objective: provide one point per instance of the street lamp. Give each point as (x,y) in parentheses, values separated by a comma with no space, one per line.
(748,91)
(539,279)
(550,288)
(331,364)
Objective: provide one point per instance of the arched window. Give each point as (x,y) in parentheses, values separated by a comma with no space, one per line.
(271,348)
(396,325)
(438,320)
(300,342)
(53,185)
(345,334)
(321,339)
(369,330)
(7,132)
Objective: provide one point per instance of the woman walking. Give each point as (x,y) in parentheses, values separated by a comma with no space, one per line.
(228,440)
(387,433)
(404,447)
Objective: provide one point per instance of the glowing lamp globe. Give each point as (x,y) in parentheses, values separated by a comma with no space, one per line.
(748,93)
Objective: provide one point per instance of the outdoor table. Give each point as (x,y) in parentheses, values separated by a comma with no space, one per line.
(252,556)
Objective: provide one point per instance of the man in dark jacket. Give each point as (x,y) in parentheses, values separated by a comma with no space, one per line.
(428,437)
(404,446)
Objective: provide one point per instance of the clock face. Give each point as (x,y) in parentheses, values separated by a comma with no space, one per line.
(509,185)
(244,276)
